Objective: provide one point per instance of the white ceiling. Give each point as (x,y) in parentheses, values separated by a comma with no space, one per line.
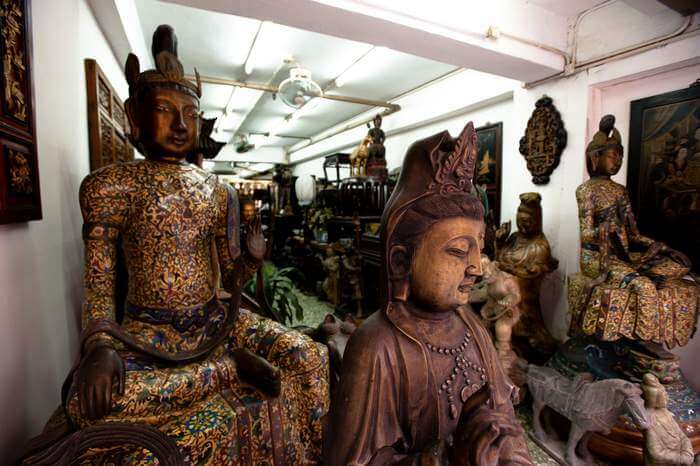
(567,7)
(217,45)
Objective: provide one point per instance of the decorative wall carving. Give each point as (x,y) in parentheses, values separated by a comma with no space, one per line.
(107,124)
(544,140)
(20,199)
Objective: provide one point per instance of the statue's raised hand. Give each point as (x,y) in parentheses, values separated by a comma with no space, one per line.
(484,435)
(503,231)
(255,240)
(100,369)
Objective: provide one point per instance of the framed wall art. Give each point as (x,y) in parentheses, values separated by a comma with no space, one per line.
(488,165)
(663,177)
(107,123)
(20,200)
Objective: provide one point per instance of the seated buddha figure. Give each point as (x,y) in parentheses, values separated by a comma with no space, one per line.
(421,382)
(634,284)
(223,385)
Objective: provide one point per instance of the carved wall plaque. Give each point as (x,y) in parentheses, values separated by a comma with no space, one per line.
(20,199)
(544,140)
(107,125)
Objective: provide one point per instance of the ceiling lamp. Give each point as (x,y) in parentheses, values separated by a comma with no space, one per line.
(299,88)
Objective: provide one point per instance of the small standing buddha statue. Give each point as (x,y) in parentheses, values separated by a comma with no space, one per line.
(634,285)
(180,377)
(421,382)
(526,255)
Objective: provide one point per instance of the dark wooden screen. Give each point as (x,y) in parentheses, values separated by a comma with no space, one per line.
(107,124)
(20,199)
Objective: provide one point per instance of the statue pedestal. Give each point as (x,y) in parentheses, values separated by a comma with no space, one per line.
(624,444)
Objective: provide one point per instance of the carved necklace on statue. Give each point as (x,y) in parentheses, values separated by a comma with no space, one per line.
(460,365)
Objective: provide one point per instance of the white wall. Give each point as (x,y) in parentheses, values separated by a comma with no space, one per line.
(41,266)
(581,99)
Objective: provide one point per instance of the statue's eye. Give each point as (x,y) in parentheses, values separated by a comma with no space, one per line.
(457,252)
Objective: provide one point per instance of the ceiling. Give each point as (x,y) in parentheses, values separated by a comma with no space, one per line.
(218,45)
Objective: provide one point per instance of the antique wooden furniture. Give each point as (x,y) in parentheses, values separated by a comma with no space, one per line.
(544,140)
(217,384)
(20,199)
(337,161)
(423,370)
(107,124)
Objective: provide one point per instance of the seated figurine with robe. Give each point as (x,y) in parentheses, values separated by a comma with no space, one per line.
(631,286)
(421,382)
(219,385)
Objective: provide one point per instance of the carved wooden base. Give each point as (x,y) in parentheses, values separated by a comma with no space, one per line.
(624,444)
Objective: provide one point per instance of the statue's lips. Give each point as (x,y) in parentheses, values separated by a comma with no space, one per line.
(179,141)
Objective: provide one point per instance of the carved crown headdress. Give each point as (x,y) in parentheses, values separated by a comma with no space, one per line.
(169,71)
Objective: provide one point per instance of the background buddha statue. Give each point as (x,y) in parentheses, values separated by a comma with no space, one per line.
(181,376)
(527,255)
(421,381)
(634,287)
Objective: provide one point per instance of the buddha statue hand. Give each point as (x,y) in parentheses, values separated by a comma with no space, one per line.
(257,371)
(98,371)
(255,240)
(503,232)
(484,434)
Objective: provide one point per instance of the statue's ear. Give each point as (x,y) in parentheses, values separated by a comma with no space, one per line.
(399,262)
(134,128)
(399,268)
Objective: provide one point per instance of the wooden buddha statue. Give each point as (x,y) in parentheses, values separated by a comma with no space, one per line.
(421,382)
(181,378)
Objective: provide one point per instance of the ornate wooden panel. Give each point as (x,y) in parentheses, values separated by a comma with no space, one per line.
(20,199)
(544,140)
(107,124)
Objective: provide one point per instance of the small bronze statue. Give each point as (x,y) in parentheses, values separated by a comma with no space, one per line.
(376,163)
(665,443)
(527,255)
(352,278)
(283,179)
(421,382)
(630,286)
(358,158)
(590,406)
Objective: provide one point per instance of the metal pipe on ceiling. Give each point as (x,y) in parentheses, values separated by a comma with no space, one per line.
(326,135)
(275,89)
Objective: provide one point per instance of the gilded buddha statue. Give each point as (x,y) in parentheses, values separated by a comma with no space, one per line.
(181,377)
(634,286)
(421,382)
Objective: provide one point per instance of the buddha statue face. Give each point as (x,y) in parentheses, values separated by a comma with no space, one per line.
(607,162)
(527,224)
(444,265)
(165,123)
(247,212)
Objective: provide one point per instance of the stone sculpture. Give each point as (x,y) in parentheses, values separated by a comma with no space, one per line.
(526,254)
(590,406)
(500,293)
(181,378)
(665,443)
(422,370)
(630,285)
